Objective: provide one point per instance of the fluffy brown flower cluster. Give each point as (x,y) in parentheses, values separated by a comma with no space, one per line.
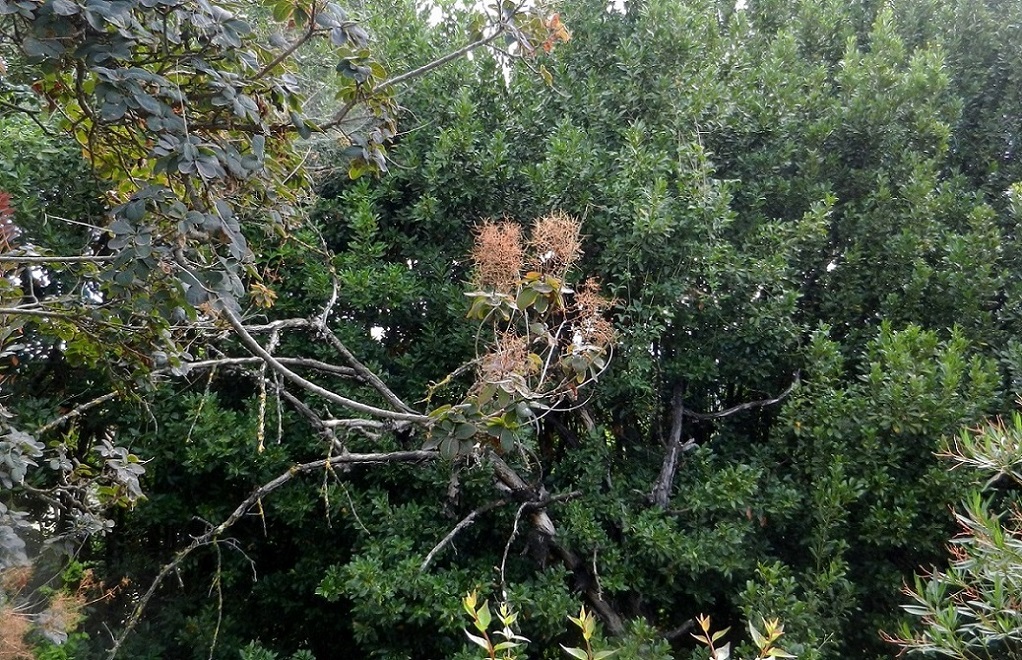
(524,271)
(498,255)
(20,621)
(590,323)
(13,628)
(555,245)
(14,624)
(509,356)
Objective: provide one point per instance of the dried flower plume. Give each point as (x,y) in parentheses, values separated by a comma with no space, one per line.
(555,245)
(510,355)
(591,305)
(498,255)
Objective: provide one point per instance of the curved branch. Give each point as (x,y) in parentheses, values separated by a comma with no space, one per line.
(76,411)
(35,259)
(258,494)
(325,367)
(742,406)
(338,118)
(661,493)
(449,57)
(287,52)
(309,386)
(465,522)
(363,371)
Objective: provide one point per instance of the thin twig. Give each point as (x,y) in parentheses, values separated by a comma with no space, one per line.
(211,535)
(20,311)
(742,406)
(364,372)
(76,411)
(415,73)
(261,425)
(507,546)
(346,372)
(287,52)
(465,522)
(449,57)
(17,259)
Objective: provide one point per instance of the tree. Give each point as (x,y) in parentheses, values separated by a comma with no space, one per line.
(814,279)
(190,120)
(762,201)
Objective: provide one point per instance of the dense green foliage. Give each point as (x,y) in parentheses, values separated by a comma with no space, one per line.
(809,207)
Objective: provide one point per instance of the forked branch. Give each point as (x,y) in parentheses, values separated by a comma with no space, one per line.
(661,493)
(254,346)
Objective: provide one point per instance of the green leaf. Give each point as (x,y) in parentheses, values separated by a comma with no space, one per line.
(478,641)
(448,448)
(483,616)
(64,7)
(526,297)
(437,413)
(575,652)
(282,11)
(757,637)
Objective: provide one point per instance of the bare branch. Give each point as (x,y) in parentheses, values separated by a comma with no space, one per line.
(17,259)
(309,386)
(542,523)
(364,372)
(439,62)
(76,411)
(661,493)
(287,52)
(325,367)
(356,423)
(665,481)
(310,415)
(506,474)
(415,73)
(465,522)
(278,325)
(211,535)
(613,621)
(743,406)
(41,313)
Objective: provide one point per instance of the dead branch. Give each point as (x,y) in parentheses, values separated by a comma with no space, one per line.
(743,406)
(363,372)
(665,481)
(76,412)
(325,367)
(613,621)
(254,346)
(35,259)
(465,522)
(661,493)
(212,535)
